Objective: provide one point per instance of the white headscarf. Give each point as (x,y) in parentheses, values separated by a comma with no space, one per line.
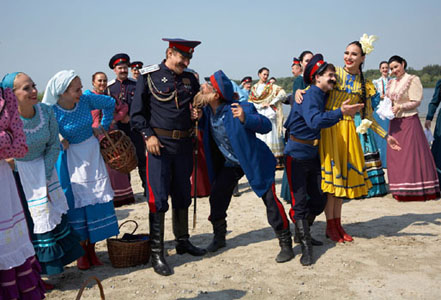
(57,85)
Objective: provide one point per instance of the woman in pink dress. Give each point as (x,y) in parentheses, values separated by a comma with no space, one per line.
(411,171)
(19,269)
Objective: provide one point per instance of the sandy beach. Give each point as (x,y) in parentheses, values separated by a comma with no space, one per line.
(395,255)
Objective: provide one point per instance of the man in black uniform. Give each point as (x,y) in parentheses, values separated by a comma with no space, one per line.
(135,66)
(123,89)
(161,112)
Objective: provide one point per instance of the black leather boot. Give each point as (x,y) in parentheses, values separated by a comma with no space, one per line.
(286,252)
(310,218)
(180,230)
(157,244)
(305,241)
(219,230)
(314,242)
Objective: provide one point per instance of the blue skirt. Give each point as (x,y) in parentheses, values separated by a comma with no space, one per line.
(93,222)
(373,161)
(382,143)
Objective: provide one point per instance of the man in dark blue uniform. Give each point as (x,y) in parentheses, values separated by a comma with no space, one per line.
(303,162)
(135,66)
(161,113)
(123,90)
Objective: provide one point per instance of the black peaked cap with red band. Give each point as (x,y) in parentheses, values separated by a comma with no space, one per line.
(246,79)
(185,47)
(136,64)
(315,65)
(295,61)
(117,59)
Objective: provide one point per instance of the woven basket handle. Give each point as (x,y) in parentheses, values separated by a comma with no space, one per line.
(108,137)
(133,221)
(91,278)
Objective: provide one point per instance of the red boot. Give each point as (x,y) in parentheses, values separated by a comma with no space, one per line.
(48,286)
(346,237)
(94,260)
(332,232)
(83,262)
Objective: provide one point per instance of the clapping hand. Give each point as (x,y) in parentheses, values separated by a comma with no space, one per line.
(350,109)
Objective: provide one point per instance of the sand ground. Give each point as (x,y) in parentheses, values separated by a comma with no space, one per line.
(395,255)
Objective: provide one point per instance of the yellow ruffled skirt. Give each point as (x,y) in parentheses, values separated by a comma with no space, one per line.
(342,161)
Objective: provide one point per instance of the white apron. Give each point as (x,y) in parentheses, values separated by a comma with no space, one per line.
(46,211)
(88,175)
(15,244)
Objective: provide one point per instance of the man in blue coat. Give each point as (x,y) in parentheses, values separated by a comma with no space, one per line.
(302,157)
(232,150)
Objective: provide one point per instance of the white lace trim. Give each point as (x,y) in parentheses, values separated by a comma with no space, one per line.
(68,110)
(40,125)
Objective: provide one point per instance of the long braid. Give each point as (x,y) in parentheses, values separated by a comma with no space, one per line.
(363,89)
(363,92)
(363,100)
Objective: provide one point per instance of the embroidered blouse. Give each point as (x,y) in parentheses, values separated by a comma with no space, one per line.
(407,92)
(75,125)
(12,137)
(42,137)
(349,87)
(381,84)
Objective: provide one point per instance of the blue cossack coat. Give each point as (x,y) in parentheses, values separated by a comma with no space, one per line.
(255,158)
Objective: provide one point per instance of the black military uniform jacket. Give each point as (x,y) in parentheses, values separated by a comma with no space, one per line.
(162,101)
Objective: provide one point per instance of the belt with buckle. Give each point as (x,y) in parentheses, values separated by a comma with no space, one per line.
(306,142)
(174,134)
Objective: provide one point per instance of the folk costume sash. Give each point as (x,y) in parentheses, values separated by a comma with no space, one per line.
(272,95)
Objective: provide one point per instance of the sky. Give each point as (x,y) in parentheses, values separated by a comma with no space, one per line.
(43,37)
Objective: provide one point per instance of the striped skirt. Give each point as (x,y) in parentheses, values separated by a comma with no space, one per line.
(411,171)
(19,269)
(373,163)
(22,282)
(55,248)
(121,186)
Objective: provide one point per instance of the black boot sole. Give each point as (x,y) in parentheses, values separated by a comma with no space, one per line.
(161,267)
(215,248)
(306,263)
(314,242)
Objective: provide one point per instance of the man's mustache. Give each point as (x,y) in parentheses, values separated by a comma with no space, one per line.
(330,81)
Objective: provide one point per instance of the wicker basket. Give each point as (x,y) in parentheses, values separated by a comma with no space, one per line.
(118,151)
(130,252)
(80,292)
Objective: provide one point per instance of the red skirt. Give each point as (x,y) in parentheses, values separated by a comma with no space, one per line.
(411,171)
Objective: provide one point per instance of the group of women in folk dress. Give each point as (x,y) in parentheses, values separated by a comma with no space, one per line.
(67,198)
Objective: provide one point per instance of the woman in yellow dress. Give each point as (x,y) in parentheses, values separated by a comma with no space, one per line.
(342,160)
